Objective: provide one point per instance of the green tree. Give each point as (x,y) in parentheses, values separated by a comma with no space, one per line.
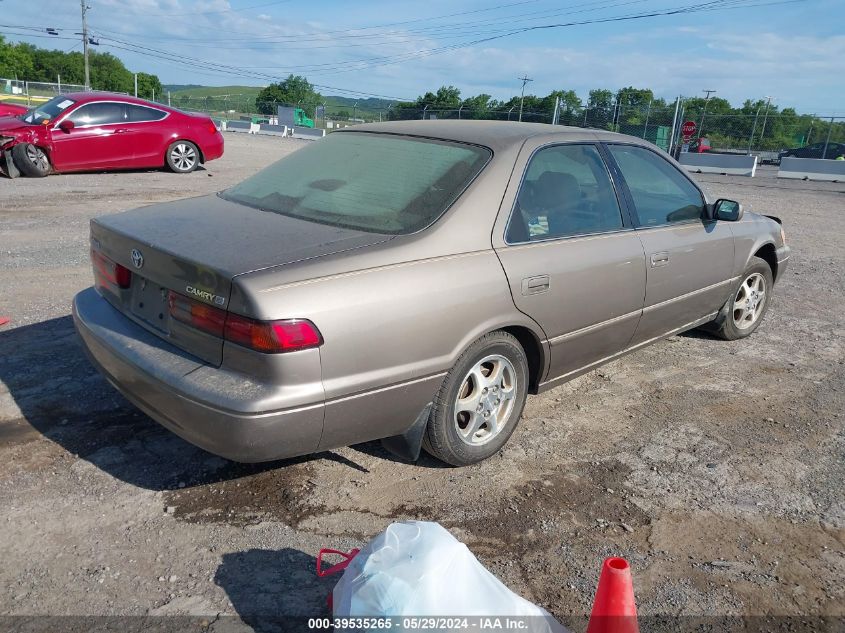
(15,60)
(294,91)
(477,107)
(149,86)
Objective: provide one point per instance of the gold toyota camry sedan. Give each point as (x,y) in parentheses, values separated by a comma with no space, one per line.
(413,282)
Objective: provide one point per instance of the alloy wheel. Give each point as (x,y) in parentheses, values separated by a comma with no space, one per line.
(749,301)
(183,156)
(485,400)
(37,157)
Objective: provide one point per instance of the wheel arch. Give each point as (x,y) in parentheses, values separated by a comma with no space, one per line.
(768,253)
(534,352)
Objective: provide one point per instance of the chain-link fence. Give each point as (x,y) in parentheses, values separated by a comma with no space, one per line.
(764,132)
(33,92)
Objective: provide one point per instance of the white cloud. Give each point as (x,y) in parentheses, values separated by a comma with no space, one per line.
(736,61)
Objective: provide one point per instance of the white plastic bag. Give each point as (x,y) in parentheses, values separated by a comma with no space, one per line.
(417,568)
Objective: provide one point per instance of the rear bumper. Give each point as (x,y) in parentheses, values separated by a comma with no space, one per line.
(172,387)
(214,149)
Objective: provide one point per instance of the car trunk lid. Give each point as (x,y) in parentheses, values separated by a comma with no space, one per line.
(194,247)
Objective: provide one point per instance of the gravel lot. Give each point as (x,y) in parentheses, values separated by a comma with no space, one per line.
(716,468)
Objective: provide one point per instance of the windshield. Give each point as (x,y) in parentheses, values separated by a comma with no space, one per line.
(370,182)
(43,114)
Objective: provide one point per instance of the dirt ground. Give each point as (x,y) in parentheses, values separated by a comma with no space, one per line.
(716,468)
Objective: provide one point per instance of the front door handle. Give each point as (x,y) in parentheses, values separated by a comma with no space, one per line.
(536,284)
(659,259)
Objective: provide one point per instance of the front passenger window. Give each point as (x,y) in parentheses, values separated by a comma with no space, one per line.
(106,113)
(661,193)
(566,191)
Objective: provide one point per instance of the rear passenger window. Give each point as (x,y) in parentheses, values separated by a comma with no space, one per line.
(566,191)
(98,114)
(139,114)
(661,193)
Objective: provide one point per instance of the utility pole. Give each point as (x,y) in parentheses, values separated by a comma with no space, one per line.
(827,140)
(753,129)
(524,81)
(765,118)
(703,112)
(674,127)
(647,116)
(85,43)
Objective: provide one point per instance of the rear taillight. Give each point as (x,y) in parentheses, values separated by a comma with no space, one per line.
(272,337)
(288,335)
(196,314)
(105,270)
(212,127)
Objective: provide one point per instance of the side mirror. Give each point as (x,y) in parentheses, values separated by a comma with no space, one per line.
(67,125)
(727,210)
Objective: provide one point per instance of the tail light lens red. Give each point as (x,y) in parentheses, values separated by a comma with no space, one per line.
(212,127)
(105,270)
(271,337)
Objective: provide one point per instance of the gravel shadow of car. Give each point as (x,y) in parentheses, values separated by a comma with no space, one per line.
(54,389)
(273,590)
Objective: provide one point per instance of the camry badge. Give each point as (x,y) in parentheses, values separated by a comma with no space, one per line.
(137,258)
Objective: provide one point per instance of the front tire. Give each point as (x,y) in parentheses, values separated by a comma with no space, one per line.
(480,401)
(183,157)
(31,160)
(743,312)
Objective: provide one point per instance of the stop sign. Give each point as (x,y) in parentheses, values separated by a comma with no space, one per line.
(688,129)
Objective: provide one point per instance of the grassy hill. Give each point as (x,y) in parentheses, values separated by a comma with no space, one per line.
(241,99)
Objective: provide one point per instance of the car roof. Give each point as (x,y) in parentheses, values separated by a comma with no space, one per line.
(85,97)
(493,134)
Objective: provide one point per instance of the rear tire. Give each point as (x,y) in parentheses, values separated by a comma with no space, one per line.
(182,157)
(744,311)
(31,160)
(480,401)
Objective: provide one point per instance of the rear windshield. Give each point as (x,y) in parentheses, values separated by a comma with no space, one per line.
(43,114)
(370,182)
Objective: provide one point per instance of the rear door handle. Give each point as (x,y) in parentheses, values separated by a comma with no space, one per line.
(536,284)
(659,259)
(122,130)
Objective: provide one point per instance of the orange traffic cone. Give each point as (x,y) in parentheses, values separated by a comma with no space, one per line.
(614,610)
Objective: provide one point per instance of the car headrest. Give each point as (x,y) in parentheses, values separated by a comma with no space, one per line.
(555,189)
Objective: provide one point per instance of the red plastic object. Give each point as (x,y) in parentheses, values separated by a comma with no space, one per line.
(4,320)
(348,556)
(614,609)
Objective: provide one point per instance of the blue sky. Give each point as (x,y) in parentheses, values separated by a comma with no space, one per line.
(794,51)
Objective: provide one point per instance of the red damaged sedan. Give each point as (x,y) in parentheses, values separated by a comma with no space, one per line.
(11,109)
(96,130)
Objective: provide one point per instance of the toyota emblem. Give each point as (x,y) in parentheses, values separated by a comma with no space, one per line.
(137,258)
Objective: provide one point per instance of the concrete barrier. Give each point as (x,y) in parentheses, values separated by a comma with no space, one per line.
(308,133)
(735,165)
(238,126)
(273,130)
(812,169)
